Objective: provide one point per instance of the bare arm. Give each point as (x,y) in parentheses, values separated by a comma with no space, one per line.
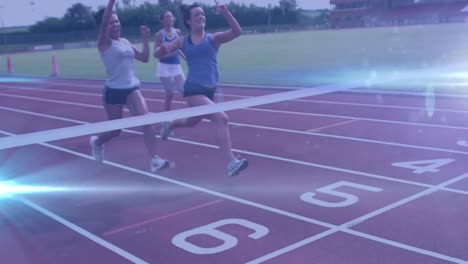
(167,48)
(104,40)
(234,30)
(158,40)
(143,56)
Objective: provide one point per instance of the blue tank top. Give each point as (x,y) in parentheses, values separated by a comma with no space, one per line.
(202,61)
(174,59)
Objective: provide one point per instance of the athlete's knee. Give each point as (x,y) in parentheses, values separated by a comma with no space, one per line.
(148,129)
(169,95)
(221,119)
(139,110)
(193,121)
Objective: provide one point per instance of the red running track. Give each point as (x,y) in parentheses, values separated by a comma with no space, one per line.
(278,211)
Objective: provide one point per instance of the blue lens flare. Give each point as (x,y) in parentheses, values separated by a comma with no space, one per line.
(10,188)
(4,79)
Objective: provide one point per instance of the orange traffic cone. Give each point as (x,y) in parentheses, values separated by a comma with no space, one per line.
(9,65)
(55,70)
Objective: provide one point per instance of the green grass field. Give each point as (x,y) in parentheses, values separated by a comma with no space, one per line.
(298,58)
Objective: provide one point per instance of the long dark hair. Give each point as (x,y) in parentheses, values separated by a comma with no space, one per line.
(186,11)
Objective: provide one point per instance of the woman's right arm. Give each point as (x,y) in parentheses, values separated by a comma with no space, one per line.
(104,40)
(167,48)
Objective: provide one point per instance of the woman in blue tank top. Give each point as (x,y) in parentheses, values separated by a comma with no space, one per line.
(122,85)
(201,50)
(169,69)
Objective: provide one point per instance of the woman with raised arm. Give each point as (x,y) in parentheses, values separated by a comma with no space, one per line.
(122,85)
(201,51)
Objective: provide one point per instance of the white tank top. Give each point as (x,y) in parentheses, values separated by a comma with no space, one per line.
(118,60)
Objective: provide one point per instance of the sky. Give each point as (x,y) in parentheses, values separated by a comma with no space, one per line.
(27,12)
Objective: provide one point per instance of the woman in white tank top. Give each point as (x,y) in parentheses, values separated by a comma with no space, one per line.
(122,85)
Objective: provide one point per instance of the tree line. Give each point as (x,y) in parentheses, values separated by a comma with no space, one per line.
(80,17)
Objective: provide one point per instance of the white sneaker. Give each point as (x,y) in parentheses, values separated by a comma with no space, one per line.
(236,166)
(158,163)
(96,151)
